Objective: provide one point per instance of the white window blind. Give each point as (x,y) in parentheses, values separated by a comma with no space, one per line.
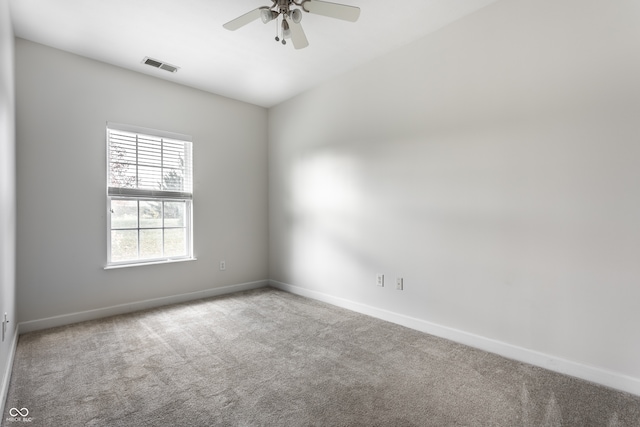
(142,164)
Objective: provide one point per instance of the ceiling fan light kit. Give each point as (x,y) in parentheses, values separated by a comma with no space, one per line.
(288,14)
(268,15)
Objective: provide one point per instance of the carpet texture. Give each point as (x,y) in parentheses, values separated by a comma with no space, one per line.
(269,358)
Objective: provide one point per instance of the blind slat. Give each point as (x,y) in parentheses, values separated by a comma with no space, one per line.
(156,194)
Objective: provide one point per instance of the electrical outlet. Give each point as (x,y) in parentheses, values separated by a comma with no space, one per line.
(223,265)
(380,280)
(399,283)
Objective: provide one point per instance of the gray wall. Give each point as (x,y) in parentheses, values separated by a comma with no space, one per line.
(7,193)
(494,165)
(63,104)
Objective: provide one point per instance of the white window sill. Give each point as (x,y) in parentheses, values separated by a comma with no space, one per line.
(140,264)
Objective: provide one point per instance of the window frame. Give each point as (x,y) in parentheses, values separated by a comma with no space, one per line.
(138,195)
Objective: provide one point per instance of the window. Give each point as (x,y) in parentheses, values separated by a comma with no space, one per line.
(149,196)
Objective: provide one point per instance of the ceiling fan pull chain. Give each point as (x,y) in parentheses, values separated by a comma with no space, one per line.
(285,27)
(277,30)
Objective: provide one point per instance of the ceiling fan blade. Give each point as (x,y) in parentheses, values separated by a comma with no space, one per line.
(298,38)
(332,10)
(245,19)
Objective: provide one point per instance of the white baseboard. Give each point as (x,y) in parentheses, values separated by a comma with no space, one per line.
(589,373)
(6,375)
(66,319)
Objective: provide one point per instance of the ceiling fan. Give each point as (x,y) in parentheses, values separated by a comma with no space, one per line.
(288,14)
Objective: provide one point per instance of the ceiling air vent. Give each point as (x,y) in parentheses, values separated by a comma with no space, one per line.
(159,64)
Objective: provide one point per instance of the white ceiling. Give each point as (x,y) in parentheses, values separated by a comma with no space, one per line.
(246,64)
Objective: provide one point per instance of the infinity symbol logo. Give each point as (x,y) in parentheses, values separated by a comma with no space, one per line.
(14,412)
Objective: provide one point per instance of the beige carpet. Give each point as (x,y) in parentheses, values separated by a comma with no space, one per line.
(269,358)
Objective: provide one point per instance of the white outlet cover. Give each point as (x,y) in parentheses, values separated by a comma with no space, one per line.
(380,280)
